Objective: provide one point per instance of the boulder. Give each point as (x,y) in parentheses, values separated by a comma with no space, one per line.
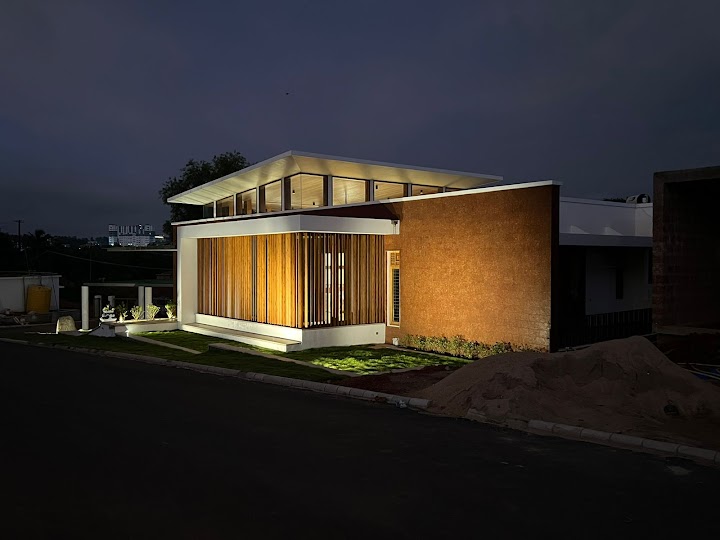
(65,324)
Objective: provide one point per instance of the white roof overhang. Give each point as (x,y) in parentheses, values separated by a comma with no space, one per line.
(294,162)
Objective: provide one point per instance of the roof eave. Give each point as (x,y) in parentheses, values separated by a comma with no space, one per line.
(272,168)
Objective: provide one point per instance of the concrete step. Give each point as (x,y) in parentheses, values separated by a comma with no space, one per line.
(258,340)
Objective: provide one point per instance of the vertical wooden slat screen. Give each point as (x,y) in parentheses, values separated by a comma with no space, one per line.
(261,279)
(302,280)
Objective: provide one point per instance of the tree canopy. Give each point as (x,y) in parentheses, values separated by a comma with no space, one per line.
(193,174)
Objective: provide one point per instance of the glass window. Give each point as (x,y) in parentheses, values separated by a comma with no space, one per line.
(247,202)
(394,286)
(209,210)
(348,191)
(225,207)
(306,191)
(424,190)
(388,190)
(273,196)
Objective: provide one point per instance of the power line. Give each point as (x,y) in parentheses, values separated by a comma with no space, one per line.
(95,261)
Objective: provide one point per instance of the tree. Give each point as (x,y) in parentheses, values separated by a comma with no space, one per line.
(193,174)
(37,241)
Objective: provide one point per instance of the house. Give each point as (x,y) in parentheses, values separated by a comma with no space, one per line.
(305,250)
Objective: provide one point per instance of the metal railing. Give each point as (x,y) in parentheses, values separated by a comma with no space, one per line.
(605,326)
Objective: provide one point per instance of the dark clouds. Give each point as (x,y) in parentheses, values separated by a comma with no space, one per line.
(101,101)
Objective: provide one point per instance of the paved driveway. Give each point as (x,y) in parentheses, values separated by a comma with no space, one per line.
(101,448)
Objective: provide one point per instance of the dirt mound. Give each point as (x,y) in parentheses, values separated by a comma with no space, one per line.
(625,385)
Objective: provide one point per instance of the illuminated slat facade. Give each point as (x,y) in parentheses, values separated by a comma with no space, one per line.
(301,280)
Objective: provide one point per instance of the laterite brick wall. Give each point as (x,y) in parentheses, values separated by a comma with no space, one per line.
(686,248)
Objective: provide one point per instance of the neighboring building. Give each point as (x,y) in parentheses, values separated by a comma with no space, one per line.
(605,271)
(130,235)
(304,250)
(15,291)
(686,251)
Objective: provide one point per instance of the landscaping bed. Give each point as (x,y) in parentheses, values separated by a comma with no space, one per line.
(373,359)
(407,383)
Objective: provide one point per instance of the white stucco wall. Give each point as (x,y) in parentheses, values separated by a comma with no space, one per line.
(284,332)
(603,223)
(309,338)
(187,275)
(289,224)
(356,334)
(187,279)
(13,291)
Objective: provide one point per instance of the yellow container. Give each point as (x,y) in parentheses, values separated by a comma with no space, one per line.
(38,299)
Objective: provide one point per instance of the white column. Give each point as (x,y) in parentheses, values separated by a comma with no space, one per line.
(187,279)
(284,203)
(85,306)
(148,300)
(111,300)
(141,298)
(330,190)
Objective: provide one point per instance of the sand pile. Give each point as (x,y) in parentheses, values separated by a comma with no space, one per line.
(625,385)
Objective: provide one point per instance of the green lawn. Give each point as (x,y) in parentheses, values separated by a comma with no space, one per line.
(356,359)
(116,344)
(366,359)
(228,359)
(259,364)
(189,340)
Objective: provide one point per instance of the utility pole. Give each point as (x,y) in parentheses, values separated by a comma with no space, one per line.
(19,221)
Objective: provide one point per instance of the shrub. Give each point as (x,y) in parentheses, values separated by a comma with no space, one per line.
(152,311)
(170,309)
(454,346)
(121,312)
(136,312)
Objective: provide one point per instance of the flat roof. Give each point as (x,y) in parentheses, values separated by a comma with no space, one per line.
(132,283)
(294,162)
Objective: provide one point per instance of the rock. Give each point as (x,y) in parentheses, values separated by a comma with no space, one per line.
(65,324)
(104,330)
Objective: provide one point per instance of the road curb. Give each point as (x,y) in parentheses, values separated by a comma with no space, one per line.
(301,384)
(669,449)
(577,433)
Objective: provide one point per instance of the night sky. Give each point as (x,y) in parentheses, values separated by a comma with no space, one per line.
(101,101)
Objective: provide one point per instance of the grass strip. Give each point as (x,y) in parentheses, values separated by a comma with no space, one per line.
(227,359)
(355,359)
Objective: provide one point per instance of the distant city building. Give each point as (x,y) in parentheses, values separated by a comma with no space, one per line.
(130,235)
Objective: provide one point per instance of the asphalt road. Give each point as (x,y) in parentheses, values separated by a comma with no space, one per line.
(100,448)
